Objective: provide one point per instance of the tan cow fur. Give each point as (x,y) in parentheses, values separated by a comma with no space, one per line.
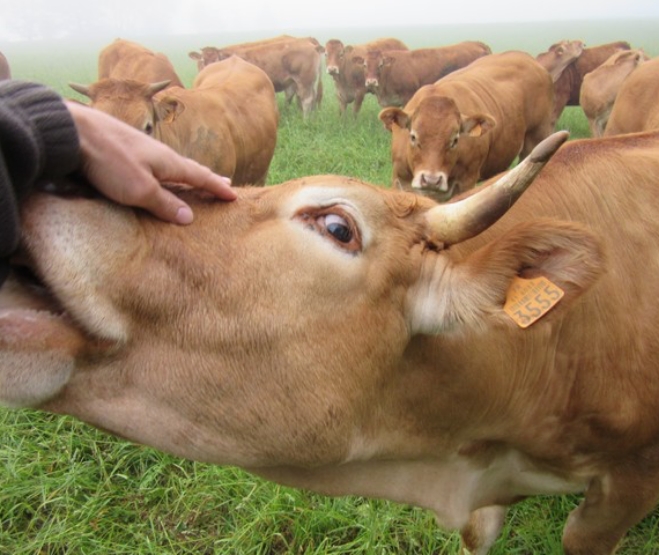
(123,59)
(373,362)
(396,75)
(600,87)
(470,125)
(636,107)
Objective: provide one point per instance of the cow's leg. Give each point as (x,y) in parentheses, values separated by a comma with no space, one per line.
(612,505)
(482,530)
(359,99)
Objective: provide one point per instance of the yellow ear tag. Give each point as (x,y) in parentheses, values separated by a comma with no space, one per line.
(527,300)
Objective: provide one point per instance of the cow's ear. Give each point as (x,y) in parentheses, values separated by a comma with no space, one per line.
(194,55)
(473,291)
(390,116)
(169,108)
(358,60)
(387,61)
(477,125)
(348,49)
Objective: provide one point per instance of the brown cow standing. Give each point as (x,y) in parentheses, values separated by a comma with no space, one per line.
(600,87)
(346,66)
(123,59)
(395,75)
(470,125)
(293,65)
(442,366)
(568,87)
(5,71)
(636,107)
(226,121)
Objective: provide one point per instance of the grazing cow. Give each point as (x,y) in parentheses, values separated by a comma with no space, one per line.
(123,59)
(568,85)
(346,66)
(470,125)
(5,71)
(294,66)
(636,107)
(395,75)
(600,87)
(226,121)
(450,362)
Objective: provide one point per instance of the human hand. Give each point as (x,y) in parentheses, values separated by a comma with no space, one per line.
(128,166)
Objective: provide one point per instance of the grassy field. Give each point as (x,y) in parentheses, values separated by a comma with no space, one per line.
(69,489)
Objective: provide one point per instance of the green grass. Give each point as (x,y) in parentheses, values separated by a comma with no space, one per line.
(69,489)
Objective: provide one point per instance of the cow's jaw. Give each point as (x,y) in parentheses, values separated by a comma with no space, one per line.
(52,309)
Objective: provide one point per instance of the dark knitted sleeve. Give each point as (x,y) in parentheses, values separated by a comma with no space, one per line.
(38,140)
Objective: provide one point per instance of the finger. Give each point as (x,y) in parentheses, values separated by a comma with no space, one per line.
(168,207)
(196,175)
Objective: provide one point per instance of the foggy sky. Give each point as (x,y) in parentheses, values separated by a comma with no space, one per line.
(42,19)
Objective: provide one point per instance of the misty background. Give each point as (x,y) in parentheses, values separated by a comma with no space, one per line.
(38,35)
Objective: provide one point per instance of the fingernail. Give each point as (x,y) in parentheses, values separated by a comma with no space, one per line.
(184,215)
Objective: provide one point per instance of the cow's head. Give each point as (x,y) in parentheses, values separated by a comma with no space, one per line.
(333,56)
(559,56)
(128,100)
(373,63)
(435,138)
(269,332)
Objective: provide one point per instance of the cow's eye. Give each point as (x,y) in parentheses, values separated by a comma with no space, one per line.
(413,138)
(335,224)
(338,228)
(148,128)
(453,142)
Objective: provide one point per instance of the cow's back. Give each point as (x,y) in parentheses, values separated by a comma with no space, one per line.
(124,59)
(636,107)
(407,71)
(237,100)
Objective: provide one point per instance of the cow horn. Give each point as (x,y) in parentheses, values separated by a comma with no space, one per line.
(455,222)
(157,87)
(82,89)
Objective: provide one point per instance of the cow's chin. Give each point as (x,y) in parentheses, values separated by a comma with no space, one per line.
(436,194)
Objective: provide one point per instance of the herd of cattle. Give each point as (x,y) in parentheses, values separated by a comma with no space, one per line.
(457,114)
(351,339)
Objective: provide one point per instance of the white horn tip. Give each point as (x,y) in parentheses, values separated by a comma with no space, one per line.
(545,149)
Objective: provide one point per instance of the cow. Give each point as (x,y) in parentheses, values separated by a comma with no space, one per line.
(211,54)
(294,66)
(559,56)
(123,59)
(346,66)
(395,75)
(226,121)
(458,357)
(636,107)
(470,125)
(568,87)
(5,70)
(600,87)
